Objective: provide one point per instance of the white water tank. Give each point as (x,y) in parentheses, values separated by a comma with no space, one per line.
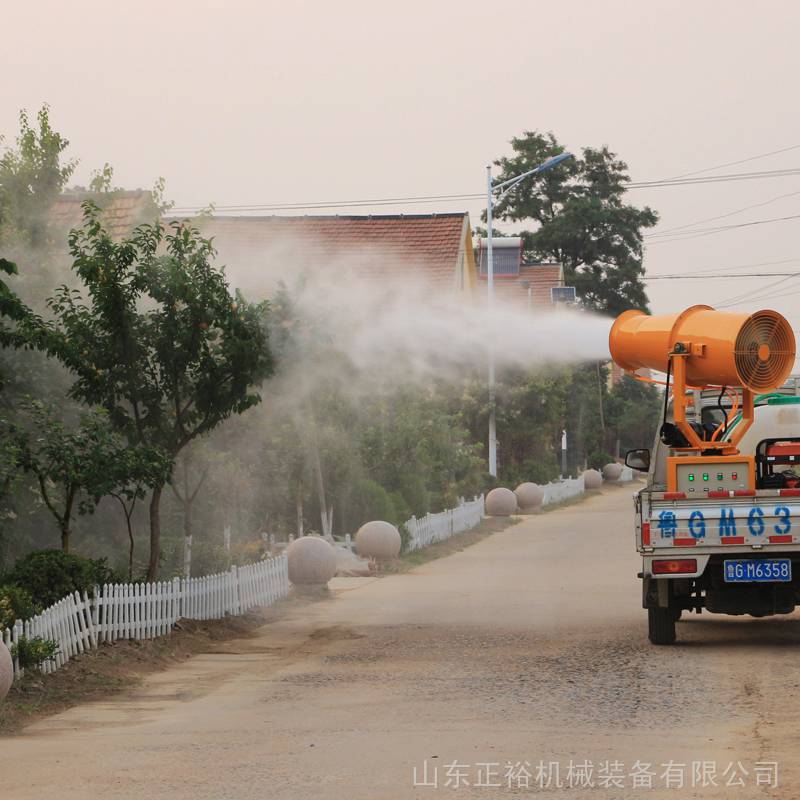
(773,421)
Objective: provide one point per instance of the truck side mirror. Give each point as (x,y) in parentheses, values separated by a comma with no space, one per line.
(638,459)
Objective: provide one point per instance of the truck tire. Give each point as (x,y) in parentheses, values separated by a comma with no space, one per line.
(661,625)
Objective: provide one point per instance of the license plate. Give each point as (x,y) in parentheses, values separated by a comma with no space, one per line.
(758,570)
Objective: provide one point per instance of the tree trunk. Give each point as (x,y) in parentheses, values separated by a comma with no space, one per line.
(187,536)
(130,547)
(65,521)
(187,557)
(155,534)
(600,405)
(299,509)
(323,504)
(329,531)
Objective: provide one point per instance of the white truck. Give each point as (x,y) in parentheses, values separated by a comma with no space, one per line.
(714,542)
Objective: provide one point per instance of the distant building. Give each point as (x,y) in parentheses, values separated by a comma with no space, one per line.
(515,281)
(432,249)
(121,211)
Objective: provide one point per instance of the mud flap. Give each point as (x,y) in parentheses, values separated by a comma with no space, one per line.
(663,593)
(656,593)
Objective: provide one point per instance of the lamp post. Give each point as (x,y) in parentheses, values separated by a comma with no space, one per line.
(504,187)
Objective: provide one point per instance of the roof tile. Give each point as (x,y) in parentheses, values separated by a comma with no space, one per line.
(427,246)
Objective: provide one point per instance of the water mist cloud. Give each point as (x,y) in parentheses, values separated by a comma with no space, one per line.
(387,323)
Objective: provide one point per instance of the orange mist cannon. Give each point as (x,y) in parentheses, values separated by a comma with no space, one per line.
(702,347)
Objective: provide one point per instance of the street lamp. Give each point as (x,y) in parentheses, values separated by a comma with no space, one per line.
(504,187)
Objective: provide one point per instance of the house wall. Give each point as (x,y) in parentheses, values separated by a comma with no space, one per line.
(468,269)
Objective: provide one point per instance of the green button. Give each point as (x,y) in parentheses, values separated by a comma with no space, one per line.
(720,476)
(691,476)
(705,476)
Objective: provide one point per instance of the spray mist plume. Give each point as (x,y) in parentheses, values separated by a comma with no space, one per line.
(387,323)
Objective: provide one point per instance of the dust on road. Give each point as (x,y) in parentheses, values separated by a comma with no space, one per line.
(529,646)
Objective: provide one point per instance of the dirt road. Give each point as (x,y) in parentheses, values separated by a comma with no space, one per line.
(528,647)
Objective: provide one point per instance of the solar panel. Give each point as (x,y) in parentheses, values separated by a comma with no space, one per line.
(562,294)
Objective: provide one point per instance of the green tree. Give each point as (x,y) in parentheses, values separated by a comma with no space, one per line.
(31,178)
(157,339)
(75,468)
(583,221)
(633,414)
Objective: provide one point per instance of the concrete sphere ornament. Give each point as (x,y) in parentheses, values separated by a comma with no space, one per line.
(501,502)
(529,496)
(612,472)
(312,561)
(592,479)
(6,670)
(378,539)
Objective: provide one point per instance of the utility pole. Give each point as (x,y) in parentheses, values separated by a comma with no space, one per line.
(490,302)
(504,187)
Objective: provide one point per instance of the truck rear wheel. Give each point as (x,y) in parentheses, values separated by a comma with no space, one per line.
(661,625)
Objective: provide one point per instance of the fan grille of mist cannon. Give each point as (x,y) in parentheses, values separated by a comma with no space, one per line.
(764,351)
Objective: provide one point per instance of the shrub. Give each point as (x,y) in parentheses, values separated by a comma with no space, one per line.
(402,510)
(208,558)
(247,552)
(599,459)
(15,603)
(32,653)
(415,494)
(50,575)
(405,539)
(369,501)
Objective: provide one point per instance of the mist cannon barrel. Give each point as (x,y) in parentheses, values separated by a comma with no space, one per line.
(754,351)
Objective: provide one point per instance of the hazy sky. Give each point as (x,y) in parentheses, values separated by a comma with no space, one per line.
(264,102)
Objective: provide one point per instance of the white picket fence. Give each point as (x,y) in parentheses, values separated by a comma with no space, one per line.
(147,610)
(562,490)
(438,527)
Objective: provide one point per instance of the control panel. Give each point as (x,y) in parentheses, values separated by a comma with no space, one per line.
(699,476)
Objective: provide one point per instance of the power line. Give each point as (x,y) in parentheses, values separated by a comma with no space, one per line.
(735,176)
(761,298)
(758,295)
(740,161)
(700,232)
(709,277)
(447,198)
(736,267)
(682,228)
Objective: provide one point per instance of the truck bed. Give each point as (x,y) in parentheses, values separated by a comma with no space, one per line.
(673,525)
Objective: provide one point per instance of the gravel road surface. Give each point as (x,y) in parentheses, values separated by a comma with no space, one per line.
(518,667)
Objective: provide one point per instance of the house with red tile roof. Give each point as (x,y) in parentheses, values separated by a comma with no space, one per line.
(121,211)
(434,250)
(516,282)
